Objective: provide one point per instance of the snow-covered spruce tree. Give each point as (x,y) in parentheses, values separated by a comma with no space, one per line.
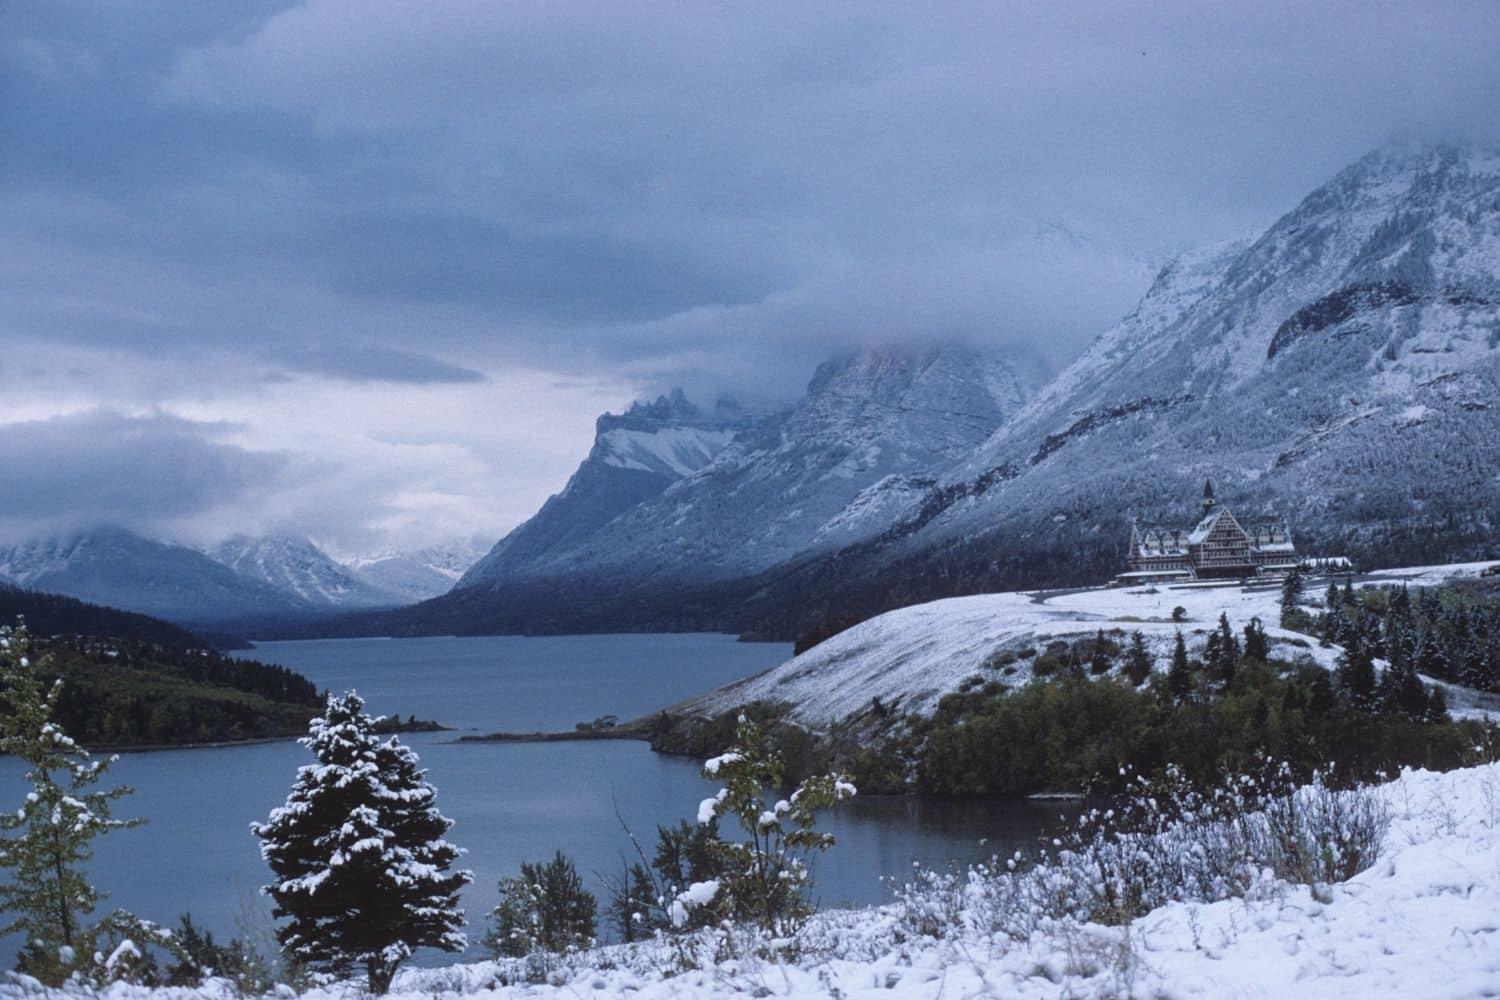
(362,870)
(765,877)
(47,841)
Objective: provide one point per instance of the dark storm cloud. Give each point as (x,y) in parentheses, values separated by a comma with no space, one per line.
(139,471)
(568,277)
(426,195)
(652,184)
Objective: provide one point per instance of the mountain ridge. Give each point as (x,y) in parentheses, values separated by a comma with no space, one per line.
(806,477)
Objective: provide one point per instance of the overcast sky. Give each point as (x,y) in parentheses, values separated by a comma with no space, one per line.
(368,270)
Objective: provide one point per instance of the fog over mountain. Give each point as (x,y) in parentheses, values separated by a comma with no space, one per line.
(367,272)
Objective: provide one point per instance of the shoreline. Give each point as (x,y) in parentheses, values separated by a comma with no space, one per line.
(245,742)
(204,745)
(618,733)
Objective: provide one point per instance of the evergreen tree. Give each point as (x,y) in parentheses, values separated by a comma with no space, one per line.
(47,841)
(546,909)
(362,869)
(1401,603)
(1138,659)
(1430,658)
(1212,651)
(1336,627)
(1402,693)
(1228,651)
(1475,672)
(1257,647)
(1291,596)
(1356,674)
(1099,661)
(1179,678)
(1321,699)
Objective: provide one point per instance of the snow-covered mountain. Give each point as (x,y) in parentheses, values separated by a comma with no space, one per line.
(1340,370)
(418,575)
(870,431)
(114,567)
(636,455)
(298,567)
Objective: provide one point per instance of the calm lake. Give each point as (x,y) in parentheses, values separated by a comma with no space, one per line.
(510,802)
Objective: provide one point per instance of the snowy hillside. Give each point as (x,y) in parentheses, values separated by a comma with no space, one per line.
(1420,923)
(911,657)
(300,568)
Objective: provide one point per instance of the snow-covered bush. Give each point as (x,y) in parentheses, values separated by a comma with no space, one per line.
(764,878)
(1164,842)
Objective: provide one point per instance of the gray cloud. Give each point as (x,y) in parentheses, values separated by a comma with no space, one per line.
(199,201)
(103,467)
(373,364)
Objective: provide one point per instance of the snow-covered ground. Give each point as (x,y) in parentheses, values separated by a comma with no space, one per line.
(1423,922)
(911,657)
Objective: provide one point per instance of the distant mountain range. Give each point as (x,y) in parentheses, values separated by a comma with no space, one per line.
(242,581)
(418,574)
(1340,370)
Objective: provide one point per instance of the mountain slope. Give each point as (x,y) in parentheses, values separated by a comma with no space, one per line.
(114,567)
(636,455)
(299,568)
(869,432)
(1341,369)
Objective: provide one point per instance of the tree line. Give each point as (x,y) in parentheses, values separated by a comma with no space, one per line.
(132,693)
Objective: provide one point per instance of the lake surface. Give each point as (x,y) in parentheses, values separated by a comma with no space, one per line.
(510,802)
